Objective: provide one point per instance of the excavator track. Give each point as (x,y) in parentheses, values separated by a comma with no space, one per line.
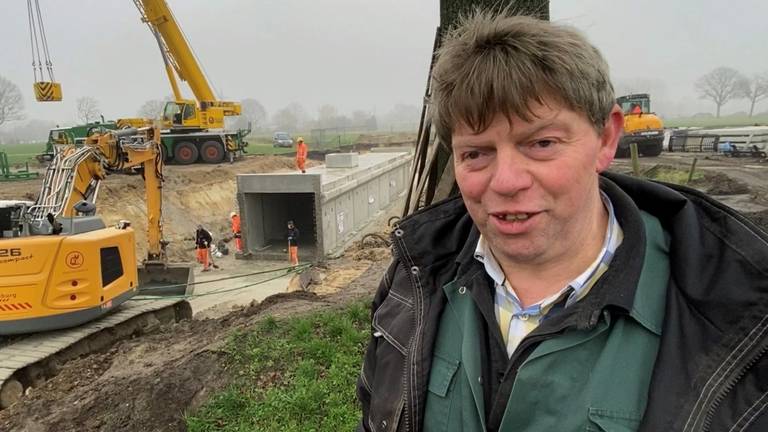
(28,361)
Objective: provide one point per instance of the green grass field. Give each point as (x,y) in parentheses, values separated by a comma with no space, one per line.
(292,375)
(712,122)
(262,144)
(18,154)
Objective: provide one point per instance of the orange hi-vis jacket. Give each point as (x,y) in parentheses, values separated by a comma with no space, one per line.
(301,152)
(236,224)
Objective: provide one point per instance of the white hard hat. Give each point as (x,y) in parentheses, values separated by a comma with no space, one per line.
(232,214)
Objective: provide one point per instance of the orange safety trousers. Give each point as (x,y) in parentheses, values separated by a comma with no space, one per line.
(300,163)
(202,257)
(293,255)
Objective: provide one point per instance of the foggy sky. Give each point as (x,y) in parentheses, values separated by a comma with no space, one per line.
(358,54)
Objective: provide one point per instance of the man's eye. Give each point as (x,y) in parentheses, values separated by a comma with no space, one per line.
(470,155)
(545,143)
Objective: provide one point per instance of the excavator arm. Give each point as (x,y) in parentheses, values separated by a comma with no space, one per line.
(76,173)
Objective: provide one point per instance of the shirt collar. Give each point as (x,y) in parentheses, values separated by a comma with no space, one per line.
(612,240)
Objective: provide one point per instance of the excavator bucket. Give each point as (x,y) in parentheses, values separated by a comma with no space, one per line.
(166,279)
(47,91)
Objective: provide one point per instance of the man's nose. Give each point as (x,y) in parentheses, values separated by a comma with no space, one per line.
(511,174)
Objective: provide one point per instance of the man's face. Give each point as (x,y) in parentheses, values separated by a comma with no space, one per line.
(532,187)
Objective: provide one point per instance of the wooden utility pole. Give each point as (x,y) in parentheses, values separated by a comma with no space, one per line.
(432,177)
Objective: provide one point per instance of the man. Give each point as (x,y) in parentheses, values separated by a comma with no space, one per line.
(236,231)
(301,154)
(293,247)
(203,240)
(636,110)
(551,295)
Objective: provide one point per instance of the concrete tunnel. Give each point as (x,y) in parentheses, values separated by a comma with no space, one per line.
(329,204)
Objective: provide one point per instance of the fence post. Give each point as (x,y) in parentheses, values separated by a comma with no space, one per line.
(635,159)
(690,172)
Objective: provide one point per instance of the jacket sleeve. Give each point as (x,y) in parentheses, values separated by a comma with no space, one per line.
(364,389)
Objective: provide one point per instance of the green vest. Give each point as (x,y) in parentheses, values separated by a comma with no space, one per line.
(582,380)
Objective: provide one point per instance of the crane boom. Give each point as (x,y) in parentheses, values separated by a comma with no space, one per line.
(179,58)
(174,46)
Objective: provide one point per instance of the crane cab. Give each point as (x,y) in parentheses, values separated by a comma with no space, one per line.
(185,114)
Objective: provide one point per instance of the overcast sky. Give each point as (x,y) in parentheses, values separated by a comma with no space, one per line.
(358,54)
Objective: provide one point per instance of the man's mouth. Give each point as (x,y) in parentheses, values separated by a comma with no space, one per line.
(511,217)
(515,216)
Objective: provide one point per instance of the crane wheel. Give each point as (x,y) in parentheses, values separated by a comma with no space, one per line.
(212,152)
(185,153)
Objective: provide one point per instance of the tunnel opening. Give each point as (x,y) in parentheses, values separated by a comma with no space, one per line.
(269,213)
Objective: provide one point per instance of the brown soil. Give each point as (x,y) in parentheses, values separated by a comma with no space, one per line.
(717,183)
(148,383)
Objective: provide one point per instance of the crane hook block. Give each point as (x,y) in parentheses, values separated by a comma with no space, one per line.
(47,91)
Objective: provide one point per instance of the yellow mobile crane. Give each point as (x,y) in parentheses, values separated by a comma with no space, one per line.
(60,266)
(194,128)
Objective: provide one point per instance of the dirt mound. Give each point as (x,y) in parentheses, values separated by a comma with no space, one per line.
(717,183)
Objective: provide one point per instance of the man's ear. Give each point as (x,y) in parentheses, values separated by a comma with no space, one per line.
(609,139)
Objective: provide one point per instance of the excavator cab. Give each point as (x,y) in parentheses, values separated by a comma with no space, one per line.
(630,102)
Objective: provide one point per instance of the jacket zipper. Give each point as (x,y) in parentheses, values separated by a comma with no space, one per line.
(729,385)
(731,378)
(396,257)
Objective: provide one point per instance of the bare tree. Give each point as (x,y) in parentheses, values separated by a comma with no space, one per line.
(252,112)
(87,109)
(152,109)
(285,120)
(722,85)
(11,102)
(756,90)
(327,116)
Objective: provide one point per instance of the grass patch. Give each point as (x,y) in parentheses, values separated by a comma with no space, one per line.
(268,149)
(21,153)
(670,174)
(293,375)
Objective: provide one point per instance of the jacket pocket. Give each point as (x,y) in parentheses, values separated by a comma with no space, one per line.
(442,394)
(603,420)
(393,321)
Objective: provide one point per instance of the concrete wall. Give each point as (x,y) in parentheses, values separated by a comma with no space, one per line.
(328,204)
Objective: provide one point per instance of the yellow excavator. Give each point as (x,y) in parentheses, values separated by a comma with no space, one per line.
(641,126)
(60,266)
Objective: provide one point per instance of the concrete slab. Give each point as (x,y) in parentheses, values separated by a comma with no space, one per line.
(215,298)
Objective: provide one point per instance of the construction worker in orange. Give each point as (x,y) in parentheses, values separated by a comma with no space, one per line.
(203,241)
(293,246)
(301,154)
(236,231)
(636,109)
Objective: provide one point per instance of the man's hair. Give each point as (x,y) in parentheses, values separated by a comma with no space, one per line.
(494,64)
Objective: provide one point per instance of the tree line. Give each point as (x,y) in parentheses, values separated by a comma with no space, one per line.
(724,84)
